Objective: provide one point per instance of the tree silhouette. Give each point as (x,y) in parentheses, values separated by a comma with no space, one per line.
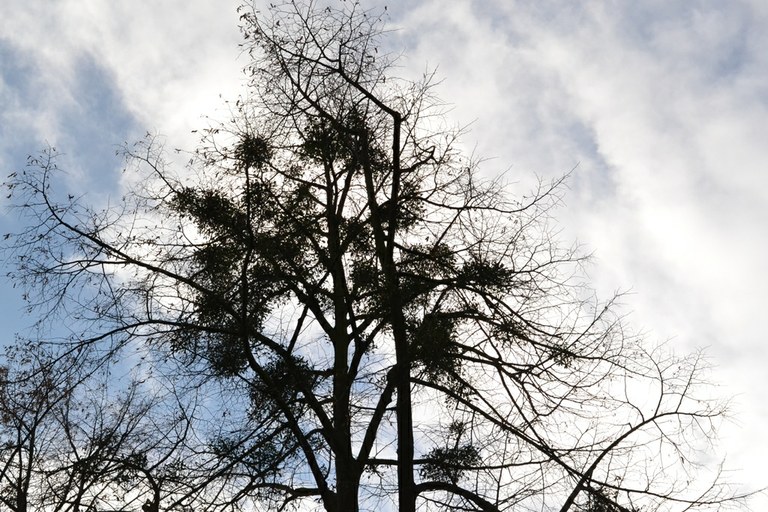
(362,319)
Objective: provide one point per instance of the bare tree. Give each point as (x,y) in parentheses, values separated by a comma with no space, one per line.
(364,321)
(27,401)
(77,436)
(43,400)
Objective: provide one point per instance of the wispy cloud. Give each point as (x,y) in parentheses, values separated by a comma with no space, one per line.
(664,106)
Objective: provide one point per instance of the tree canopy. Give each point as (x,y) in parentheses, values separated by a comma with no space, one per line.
(331,308)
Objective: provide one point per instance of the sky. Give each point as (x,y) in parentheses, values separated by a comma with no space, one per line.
(659,108)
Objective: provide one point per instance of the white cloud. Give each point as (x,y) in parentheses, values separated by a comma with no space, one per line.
(168,60)
(665,107)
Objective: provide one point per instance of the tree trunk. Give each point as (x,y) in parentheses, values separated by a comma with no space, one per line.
(347,485)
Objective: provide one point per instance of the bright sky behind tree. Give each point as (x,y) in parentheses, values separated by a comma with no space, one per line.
(659,107)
